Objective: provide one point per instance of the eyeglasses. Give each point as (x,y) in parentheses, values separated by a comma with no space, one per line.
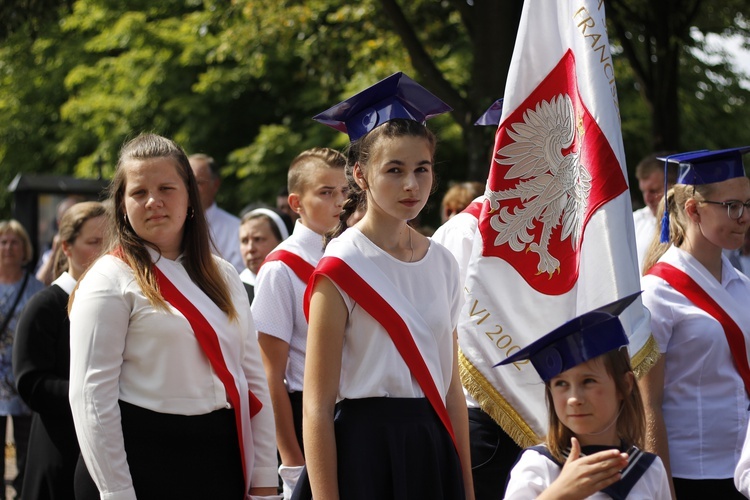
(735,208)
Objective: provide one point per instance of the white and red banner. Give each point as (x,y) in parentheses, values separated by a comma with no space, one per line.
(555,235)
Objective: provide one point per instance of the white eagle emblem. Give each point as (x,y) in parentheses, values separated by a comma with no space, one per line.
(557,188)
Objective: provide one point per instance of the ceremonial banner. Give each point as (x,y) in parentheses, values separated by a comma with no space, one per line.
(555,236)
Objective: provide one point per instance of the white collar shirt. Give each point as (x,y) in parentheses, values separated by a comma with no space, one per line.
(122,348)
(705,404)
(279,296)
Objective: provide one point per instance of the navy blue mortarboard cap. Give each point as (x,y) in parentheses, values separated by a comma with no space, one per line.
(702,167)
(706,167)
(397,96)
(577,341)
(491,117)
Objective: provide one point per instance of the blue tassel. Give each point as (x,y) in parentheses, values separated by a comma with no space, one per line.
(664,236)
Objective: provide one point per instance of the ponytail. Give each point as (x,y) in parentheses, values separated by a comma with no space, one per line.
(656,248)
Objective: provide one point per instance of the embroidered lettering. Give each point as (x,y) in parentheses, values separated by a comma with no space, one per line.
(474,312)
(595,35)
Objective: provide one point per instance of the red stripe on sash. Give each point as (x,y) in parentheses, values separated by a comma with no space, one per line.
(297,264)
(684,284)
(377,307)
(209,342)
(474,208)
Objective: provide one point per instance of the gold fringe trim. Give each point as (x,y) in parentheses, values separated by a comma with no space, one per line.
(494,404)
(645,358)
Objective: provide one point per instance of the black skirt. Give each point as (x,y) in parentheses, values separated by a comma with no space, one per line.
(51,459)
(179,456)
(393,449)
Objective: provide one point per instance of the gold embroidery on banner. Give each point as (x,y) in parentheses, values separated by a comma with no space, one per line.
(494,404)
(474,312)
(496,334)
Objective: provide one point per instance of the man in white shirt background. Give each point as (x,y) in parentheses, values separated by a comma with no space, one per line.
(650,175)
(224,226)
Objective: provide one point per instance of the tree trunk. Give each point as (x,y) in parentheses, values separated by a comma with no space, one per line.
(495,25)
(652,36)
(492,26)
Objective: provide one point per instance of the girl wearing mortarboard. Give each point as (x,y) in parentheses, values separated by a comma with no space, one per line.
(696,395)
(383,305)
(596,420)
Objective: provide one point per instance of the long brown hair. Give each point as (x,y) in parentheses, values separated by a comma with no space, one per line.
(360,151)
(196,241)
(631,423)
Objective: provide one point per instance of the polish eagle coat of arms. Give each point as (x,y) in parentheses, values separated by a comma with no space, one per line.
(554,185)
(553,169)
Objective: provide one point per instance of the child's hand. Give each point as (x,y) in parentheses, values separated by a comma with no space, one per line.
(582,477)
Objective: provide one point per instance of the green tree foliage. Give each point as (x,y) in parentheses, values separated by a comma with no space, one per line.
(33,137)
(241,80)
(685,96)
(238,81)
(30,17)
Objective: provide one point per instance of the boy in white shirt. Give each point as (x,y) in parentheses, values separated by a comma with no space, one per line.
(317,190)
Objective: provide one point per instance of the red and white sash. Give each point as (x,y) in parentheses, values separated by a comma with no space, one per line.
(680,281)
(374,303)
(297,264)
(209,342)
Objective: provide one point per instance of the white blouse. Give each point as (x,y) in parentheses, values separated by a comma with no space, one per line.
(371,364)
(457,234)
(225,229)
(122,348)
(705,404)
(248,277)
(534,473)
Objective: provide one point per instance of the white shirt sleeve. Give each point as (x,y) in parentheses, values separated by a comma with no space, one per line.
(662,491)
(274,304)
(742,471)
(532,474)
(658,304)
(98,328)
(263,426)
(457,235)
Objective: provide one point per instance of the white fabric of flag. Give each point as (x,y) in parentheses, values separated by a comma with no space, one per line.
(555,237)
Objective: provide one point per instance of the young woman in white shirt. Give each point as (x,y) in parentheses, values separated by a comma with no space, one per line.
(398,433)
(695,397)
(167,388)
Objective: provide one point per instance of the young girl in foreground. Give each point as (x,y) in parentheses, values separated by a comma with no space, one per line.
(596,420)
(387,441)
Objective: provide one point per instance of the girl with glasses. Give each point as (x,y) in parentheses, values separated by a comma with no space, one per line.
(696,395)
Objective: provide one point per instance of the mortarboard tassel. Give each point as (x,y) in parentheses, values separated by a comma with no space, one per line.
(664,236)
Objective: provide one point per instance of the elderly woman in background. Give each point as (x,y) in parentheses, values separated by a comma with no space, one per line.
(260,231)
(41,357)
(17,286)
